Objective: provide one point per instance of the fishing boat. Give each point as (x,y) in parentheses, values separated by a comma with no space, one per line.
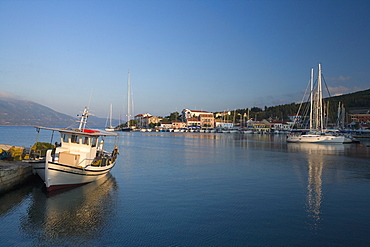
(78,159)
(317,132)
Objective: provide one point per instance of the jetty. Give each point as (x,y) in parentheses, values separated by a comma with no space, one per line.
(13,173)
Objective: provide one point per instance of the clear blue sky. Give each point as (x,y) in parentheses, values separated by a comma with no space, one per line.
(205,55)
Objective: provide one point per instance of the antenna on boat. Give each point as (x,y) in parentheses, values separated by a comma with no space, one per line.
(91,92)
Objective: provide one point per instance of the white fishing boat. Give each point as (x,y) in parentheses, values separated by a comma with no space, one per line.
(317,132)
(79,159)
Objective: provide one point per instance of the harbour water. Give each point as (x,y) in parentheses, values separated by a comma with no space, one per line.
(194,189)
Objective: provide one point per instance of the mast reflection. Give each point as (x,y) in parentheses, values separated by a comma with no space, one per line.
(315,154)
(314,189)
(72,217)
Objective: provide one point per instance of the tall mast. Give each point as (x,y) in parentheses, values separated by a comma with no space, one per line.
(311,99)
(128,99)
(319,88)
(339,116)
(110,115)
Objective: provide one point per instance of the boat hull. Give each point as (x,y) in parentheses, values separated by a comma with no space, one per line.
(316,139)
(56,176)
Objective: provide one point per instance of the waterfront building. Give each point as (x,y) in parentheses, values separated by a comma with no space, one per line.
(279,125)
(262,126)
(192,122)
(222,114)
(166,126)
(223,124)
(139,118)
(360,118)
(207,120)
(198,118)
(178,125)
(144,120)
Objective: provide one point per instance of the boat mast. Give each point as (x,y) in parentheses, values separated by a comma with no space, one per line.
(83,119)
(110,115)
(128,99)
(319,88)
(311,99)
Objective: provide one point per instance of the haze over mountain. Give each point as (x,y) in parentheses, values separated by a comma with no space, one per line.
(16,112)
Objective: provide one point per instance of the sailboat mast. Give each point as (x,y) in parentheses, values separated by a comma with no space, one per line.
(319,88)
(339,116)
(110,115)
(311,99)
(128,99)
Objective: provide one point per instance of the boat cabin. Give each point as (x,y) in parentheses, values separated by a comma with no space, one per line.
(80,148)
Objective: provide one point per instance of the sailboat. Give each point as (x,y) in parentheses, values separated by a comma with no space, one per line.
(317,132)
(110,127)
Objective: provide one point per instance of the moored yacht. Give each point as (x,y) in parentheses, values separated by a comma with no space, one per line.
(317,132)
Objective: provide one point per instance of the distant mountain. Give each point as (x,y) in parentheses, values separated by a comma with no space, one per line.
(14,112)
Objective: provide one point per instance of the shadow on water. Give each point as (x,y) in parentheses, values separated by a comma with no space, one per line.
(13,199)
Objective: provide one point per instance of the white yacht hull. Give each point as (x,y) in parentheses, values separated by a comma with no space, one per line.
(316,139)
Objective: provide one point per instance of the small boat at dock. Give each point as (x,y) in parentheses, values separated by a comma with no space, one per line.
(79,159)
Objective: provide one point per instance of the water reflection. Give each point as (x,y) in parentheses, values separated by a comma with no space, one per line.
(314,190)
(314,148)
(72,217)
(11,200)
(314,155)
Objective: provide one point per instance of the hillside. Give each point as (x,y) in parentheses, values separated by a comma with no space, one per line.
(15,112)
(353,102)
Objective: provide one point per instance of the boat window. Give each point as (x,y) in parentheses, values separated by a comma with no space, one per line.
(75,139)
(93,141)
(86,140)
(65,137)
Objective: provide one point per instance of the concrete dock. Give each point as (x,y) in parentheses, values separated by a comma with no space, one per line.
(13,173)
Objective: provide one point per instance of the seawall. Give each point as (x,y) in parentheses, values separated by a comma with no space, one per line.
(13,173)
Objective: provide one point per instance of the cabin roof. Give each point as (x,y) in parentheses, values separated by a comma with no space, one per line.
(88,132)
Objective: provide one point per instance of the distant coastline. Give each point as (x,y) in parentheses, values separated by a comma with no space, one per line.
(14,112)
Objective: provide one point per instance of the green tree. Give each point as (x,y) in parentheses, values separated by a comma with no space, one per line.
(133,122)
(174,116)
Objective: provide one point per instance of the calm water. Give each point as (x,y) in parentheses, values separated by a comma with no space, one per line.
(193,189)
